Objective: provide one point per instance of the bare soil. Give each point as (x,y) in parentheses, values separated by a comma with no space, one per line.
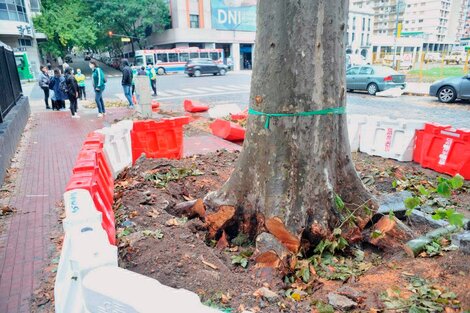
(156,242)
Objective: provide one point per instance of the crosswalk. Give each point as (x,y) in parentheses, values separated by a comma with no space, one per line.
(199,91)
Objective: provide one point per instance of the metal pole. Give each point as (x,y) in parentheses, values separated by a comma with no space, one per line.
(396,35)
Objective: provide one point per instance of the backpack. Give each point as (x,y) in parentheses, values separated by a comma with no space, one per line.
(63,87)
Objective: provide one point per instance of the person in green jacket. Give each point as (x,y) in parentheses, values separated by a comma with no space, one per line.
(99,83)
(81,84)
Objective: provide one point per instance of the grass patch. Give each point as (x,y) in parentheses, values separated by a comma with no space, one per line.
(436,73)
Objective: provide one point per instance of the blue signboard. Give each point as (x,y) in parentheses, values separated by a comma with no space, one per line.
(237,15)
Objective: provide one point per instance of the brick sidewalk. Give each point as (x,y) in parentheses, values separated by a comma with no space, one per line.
(46,166)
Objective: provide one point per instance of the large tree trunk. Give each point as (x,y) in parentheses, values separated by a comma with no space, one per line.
(293,169)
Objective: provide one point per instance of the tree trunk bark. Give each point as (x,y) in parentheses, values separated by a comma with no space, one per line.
(293,169)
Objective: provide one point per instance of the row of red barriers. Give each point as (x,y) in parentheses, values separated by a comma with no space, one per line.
(443,149)
(93,173)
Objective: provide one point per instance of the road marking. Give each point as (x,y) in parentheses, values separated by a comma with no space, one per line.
(210,89)
(225,87)
(176,92)
(162,93)
(193,90)
(203,95)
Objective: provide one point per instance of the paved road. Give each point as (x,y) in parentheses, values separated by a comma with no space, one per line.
(234,89)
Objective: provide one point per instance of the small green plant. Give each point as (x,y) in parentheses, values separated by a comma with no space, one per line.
(337,243)
(162,179)
(157,234)
(430,195)
(322,307)
(125,232)
(425,297)
(242,258)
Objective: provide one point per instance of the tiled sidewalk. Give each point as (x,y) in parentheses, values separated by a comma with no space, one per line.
(46,165)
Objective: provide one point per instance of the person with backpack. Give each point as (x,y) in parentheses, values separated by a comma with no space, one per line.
(153,79)
(57,84)
(81,84)
(72,91)
(44,81)
(99,84)
(126,81)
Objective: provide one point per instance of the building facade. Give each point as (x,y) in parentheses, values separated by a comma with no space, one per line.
(226,24)
(16,29)
(466,30)
(360,31)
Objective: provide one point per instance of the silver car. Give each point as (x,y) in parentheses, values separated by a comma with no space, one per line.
(450,89)
(373,79)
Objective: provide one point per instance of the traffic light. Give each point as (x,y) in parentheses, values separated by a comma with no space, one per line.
(110,34)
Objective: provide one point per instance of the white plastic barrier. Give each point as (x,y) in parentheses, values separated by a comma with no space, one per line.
(117,145)
(113,289)
(85,247)
(355,123)
(389,138)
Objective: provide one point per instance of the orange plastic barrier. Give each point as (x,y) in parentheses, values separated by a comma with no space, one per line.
(239,116)
(227,130)
(193,106)
(443,149)
(89,181)
(158,139)
(155,106)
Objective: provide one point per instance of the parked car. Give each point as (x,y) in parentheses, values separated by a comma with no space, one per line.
(355,60)
(450,89)
(373,79)
(456,57)
(197,67)
(431,57)
(404,64)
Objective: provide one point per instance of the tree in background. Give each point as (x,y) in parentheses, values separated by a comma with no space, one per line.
(296,170)
(134,18)
(67,24)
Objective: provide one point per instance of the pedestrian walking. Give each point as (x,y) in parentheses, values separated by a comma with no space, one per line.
(49,65)
(142,71)
(126,81)
(72,91)
(81,84)
(153,79)
(44,81)
(57,84)
(99,83)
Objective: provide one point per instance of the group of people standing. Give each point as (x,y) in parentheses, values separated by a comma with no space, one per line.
(71,87)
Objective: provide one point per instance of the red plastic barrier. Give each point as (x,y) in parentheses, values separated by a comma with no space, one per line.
(227,130)
(158,139)
(88,181)
(443,149)
(193,106)
(155,106)
(239,116)
(90,161)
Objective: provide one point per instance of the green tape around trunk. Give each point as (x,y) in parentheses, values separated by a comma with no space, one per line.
(329,111)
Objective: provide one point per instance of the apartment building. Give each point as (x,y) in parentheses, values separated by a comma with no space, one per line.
(360,30)
(385,14)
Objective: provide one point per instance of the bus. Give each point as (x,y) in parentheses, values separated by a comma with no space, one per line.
(173,60)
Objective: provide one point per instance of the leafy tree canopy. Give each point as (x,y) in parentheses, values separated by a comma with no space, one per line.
(66,23)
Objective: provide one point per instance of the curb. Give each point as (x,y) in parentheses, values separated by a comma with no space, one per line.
(416,94)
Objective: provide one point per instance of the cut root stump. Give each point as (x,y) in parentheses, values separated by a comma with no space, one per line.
(390,233)
(217,220)
(276,227)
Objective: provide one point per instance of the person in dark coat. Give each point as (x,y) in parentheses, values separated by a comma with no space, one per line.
(126,81)
(44,81)
(58,100)
(72,91)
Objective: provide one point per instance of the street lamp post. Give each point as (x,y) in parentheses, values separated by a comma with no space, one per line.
(398,8)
